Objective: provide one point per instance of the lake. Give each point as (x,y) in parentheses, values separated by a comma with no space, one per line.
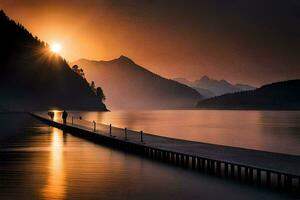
(275,131)
(42,162)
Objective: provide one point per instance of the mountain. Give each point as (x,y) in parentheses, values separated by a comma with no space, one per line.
(34,78)
(130,86)
(244,87)
(204,92)
(276,96)
(213,87)
(184,81)
(220,87)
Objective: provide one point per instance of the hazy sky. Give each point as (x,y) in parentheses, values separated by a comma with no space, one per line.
(250,41)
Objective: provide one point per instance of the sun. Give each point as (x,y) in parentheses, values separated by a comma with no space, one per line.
(55,47)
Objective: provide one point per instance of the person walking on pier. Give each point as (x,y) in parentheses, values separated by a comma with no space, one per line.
(64,117)
(51,115)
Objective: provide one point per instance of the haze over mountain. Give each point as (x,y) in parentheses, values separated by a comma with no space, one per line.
(35,78)
(130,86)
(276,96)
(209,87)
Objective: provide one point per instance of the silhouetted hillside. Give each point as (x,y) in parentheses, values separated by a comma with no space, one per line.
(130,86)
(213,87)
(34,78)
(276,96)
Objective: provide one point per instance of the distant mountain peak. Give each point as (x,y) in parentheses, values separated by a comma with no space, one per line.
(125,59)
(217,87)
(205,78)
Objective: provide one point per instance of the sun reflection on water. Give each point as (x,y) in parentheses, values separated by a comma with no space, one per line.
(57,115)
(56,181)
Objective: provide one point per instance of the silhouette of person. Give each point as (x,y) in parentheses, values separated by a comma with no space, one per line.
(64,117)
(51,115)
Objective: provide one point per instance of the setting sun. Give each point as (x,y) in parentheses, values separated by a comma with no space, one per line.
(55,47)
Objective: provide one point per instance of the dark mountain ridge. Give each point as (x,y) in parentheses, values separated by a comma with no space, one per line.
(275,96)
(130,86)
(35,78)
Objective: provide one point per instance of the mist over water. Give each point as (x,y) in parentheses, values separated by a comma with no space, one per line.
(275,131)
(41,162)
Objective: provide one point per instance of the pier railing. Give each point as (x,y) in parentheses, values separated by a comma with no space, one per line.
(103,129)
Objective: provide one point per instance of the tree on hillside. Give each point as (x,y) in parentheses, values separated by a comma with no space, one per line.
(100,94)
(78,70)
(93,87)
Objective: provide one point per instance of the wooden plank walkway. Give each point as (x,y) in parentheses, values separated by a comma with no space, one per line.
(251,166)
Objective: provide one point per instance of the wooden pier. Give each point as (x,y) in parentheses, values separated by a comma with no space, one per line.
(263,169)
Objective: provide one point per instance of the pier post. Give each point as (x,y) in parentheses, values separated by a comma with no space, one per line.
(72,120)
(210,166)
(94,126)
(202,165)
(268,178)
(149,152)
(187,161)
(110,130)
(164,156)
(125,133)
(193,162)
(157,154)
(250,175)
(182,160)
(239,173)
(172,157)
(218,168)
(142,136)
(284,182)
(226,170)
(154,154)
(258,174)
(177,158)
(246,174)
(232,171)
(198,163)
(279,180)
(289,182)
(214,167)
(206,165)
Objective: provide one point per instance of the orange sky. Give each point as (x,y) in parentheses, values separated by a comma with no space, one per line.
(172,38)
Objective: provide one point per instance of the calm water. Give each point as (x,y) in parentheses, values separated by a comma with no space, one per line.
(264,130)
(40,162)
